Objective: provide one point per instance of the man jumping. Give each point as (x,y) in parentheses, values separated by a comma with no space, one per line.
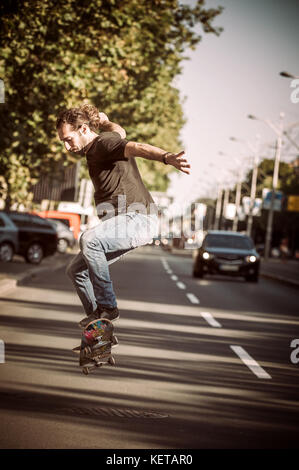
(124,205)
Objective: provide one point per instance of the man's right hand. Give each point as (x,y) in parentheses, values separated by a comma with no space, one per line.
(103,119)
(108,126)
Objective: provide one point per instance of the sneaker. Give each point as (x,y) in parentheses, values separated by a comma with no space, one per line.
(93,316)
(111,314)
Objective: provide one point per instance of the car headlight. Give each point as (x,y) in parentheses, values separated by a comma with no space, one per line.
(207,255)
(251,259)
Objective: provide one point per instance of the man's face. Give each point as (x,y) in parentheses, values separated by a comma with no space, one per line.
(74,141)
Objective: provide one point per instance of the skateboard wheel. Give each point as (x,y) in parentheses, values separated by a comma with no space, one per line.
(85,370)
(87,350)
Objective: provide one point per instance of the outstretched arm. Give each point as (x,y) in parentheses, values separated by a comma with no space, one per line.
(135,149)
(108,126)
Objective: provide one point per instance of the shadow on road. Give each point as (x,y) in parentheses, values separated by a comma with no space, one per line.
(213,400)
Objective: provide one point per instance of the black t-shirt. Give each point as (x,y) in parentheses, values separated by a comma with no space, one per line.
(116,179)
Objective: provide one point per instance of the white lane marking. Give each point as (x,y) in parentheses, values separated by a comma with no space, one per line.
(193,299)
(165,263)
(174,278)
(250,363)
(210,319)
(166,266)
(181,285)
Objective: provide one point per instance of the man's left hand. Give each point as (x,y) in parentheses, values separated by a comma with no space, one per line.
(177,160)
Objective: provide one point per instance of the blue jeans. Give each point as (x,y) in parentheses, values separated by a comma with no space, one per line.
(102,245)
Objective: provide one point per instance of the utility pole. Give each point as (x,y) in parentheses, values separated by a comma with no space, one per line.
(279,132)
(225,203)
(253,188)
(218,209)
(237,204)
(274,187)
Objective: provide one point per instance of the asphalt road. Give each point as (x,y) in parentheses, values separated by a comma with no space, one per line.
(201,363)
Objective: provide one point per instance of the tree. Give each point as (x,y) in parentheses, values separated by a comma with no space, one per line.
(121,55)
(287,182)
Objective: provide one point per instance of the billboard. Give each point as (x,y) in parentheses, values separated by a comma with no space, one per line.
(293,203)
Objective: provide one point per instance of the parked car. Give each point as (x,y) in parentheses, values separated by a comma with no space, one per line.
(9,241)
(225,252)
(36,238)
(70,220)
(65,235)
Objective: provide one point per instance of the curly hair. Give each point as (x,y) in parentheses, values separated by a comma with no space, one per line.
(76,117)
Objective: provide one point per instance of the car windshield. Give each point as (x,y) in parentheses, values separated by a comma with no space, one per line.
(227,241)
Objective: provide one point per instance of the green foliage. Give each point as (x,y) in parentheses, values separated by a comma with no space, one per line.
(121,55)
(288,181)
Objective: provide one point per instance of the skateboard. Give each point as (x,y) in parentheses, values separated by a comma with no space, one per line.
(96,344)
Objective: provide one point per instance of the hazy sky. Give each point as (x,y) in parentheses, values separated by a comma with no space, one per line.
(231,76)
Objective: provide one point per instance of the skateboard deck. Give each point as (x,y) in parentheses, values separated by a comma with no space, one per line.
(96,343)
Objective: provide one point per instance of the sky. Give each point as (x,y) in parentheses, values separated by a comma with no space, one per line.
(228,77)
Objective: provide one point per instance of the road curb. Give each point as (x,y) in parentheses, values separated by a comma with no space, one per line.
(284,280)
(8,283)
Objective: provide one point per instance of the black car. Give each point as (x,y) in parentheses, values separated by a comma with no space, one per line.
(36,238)
(230,253)
(65,235)
(9,239)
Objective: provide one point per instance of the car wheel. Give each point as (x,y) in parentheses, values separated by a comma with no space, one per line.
(62,245)
(6,252)
(252,278)
(197,272)
(34,253)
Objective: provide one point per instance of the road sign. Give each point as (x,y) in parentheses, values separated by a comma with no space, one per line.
(267,194)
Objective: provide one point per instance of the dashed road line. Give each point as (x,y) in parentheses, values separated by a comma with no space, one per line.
(165,263)
(210,319)
(250,363)
(181,285)
(193,299)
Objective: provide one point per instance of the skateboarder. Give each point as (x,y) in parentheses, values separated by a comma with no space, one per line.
(126,209)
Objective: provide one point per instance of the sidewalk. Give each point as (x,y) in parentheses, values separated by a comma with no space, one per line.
(283,271)
(17,271)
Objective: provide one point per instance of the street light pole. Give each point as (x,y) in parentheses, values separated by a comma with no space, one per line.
(274,187)
(237,204)
(253,188)
(255,151)
(225,203)
(218,209)
(279,132)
